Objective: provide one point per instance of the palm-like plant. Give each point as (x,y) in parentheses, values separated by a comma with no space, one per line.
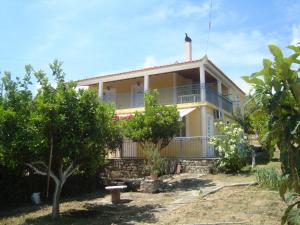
(277,91)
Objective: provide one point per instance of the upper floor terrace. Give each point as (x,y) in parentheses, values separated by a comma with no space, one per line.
(180,83)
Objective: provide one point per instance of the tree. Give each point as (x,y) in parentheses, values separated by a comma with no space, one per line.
(277,92)
(15,109)
(67,129)
(157,125)
(255,121)
(74,126)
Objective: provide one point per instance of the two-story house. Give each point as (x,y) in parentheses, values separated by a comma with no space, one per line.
(199,89)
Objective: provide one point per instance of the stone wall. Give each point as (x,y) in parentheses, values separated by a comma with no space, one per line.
(203,166)
(135,168)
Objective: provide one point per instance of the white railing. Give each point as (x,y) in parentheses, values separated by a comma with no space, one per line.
(179,147)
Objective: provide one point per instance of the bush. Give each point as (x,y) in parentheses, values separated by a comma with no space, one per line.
(232,149)
(154,160)
(268,178)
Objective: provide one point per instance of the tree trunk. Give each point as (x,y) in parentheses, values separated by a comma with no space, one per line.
(56,196)
(253,157)
(59,181)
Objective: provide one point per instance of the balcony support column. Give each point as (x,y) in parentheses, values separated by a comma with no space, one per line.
(100,89)
(220,100)
(174,88)
(202,82)
(146,83)
(203,128)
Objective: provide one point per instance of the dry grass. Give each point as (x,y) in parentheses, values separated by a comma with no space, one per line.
(238,204)
(182,204)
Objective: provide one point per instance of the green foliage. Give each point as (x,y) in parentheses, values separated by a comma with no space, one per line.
(277,93)
(157,125)
(74,124)
(268,178)
(231,147)
(292,212)
(154,160)
(243,118)
(255,121)
(80,126)
(15,109)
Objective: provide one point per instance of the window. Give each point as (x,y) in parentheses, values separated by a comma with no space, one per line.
(182,131)
(216,114)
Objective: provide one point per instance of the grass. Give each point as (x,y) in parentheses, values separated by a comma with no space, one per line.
(254,205)
(251,204)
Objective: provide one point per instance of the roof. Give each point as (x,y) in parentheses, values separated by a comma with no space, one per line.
(140,70)
(154,68)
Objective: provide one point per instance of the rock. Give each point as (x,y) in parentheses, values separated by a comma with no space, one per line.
(150,186)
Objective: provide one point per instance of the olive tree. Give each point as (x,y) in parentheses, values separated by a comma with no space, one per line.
(277,92)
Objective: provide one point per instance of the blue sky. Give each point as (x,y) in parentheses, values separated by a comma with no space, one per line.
(97,37)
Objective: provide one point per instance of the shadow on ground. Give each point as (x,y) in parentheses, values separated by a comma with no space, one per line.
(28,208)
(103,214)
(187,184)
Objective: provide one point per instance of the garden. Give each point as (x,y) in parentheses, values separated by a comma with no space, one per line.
(56,141)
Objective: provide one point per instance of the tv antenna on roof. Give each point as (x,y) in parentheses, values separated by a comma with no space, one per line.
(209,27)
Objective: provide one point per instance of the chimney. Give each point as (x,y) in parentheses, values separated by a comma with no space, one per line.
(188,48)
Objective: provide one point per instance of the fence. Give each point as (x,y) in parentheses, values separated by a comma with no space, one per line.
(179,147)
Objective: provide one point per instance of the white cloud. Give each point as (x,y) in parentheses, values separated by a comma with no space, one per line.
(192,9)
(163,12)
(242,85)
(239,48)
(149,61)
(295,34)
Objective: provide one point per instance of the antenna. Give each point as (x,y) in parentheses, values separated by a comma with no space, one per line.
(1,87)
(209,27)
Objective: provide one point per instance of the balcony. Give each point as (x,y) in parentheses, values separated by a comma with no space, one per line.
(179,95)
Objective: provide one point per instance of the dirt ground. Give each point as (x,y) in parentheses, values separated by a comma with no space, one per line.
(182,202)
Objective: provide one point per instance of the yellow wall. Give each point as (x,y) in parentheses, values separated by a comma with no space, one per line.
(94,86)
(229,119)
(161,81)
(123,90)
(193,123)
(164,83)
(124,86)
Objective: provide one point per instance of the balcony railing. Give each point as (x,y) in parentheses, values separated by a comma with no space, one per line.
(181,94)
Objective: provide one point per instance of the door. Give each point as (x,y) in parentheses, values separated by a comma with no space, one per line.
(210,132)
(137,95)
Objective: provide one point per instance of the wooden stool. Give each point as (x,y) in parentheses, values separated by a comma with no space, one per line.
(115,192)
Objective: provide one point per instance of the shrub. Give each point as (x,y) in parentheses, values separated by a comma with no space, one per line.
(268,177)
(231,147)
(154,160)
